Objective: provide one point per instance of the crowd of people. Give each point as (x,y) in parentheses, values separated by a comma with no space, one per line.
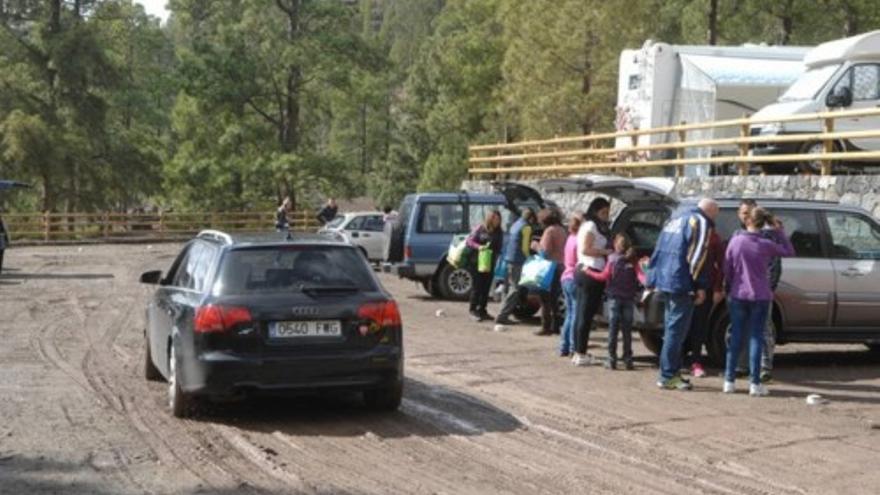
(689,272)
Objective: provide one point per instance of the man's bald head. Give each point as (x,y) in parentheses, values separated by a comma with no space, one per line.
(709,206)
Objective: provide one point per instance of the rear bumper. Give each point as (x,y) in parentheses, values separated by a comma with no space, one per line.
(219,373)
(775,149)
(410,271)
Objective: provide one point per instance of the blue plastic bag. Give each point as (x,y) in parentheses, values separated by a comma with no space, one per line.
(501,269)
(538,273)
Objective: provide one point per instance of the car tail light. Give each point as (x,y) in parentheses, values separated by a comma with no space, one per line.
(407,252)
(217,318)
(380,314)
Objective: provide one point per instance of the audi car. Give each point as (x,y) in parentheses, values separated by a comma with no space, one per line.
(241,314)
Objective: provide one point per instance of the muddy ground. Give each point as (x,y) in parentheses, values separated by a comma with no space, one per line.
(484,412)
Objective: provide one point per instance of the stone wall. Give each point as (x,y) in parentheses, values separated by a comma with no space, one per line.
(859,190)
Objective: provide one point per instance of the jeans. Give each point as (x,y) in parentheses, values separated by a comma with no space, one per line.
(746,318)
(516,295)
(620,320)
(698,333)
(769,346)
(566,337)
(589,302)
(676,322)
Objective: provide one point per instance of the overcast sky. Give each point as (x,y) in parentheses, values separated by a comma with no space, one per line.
(156,8)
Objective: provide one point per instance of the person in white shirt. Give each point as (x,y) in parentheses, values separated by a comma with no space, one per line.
(593,248)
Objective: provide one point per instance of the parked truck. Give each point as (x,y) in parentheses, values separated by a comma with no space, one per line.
(663,85)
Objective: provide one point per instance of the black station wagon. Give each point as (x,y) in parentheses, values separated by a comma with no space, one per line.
(272,313)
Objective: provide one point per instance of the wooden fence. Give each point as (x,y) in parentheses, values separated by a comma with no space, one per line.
(592,152)
(135,227)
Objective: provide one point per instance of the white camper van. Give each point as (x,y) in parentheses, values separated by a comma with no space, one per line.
(662,85)
(843,73)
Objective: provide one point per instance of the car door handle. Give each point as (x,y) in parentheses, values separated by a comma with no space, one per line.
(355,234)
(366,235)
(852,272)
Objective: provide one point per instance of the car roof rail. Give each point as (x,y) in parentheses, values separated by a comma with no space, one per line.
(215,235)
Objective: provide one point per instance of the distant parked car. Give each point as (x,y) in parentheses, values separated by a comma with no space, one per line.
(274,312)
(829,291)
(365,229)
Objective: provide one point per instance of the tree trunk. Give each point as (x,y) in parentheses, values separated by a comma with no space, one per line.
(587,81)
(712,37)
(289,122)
(850,19)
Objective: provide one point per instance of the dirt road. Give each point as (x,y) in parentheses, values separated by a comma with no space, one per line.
(484,412)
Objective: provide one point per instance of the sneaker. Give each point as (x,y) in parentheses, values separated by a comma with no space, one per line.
(758,390)
(697,371)
(729,388)
(675,383)
(610,364)
(484,316)
(564,354)
(503,320)
(766,376)
(629,365)
(582,360)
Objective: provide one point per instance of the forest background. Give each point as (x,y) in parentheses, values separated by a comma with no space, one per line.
(231,104)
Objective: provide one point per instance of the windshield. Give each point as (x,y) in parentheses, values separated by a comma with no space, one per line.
(808,85)
(292,269)
(335,223)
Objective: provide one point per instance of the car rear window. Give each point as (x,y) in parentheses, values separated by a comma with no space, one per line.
(293,269)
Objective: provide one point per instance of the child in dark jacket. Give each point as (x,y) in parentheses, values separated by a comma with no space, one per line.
(622,276)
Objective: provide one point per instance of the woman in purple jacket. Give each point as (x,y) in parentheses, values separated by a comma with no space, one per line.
(749,294)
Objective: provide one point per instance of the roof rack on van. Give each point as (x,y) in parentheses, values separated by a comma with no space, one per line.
(215,235)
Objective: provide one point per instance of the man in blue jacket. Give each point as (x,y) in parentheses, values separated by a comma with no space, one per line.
(678,271)
(515,253)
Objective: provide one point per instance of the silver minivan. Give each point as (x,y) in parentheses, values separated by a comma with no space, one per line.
(829,291)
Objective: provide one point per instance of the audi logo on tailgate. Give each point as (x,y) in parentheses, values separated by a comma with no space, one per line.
(305,311)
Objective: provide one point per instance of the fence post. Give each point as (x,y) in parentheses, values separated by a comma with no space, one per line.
(162,224)
(827,128)
(46,226)
(105,229)
(743,167)
(680,152)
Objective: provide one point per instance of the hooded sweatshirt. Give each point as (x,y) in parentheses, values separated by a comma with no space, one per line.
(747,262)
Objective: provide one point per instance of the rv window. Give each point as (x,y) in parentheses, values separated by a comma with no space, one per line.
(809,84)
(863,80)
(635,81)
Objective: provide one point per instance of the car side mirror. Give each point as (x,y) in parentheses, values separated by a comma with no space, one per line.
(153,277)
(840,97)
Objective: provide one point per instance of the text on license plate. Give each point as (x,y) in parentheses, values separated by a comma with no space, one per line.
(287,329)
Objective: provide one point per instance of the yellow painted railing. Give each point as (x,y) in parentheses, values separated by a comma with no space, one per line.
(109,227)
(593,152)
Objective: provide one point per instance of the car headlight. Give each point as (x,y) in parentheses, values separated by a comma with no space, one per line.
(774,128)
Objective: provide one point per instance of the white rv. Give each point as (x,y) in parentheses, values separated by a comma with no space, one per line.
(843,73)
(662,85)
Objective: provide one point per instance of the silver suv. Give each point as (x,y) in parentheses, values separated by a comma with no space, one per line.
(829,292)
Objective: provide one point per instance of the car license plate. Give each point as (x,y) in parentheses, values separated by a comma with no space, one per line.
(295,329)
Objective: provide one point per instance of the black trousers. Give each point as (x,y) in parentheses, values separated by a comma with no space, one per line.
(698,333)
(551,319)
(589,300)
(480,293)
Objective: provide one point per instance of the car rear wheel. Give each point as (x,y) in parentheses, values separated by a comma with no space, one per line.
(180,402)
(455,283)
(151,373)
(653,340)
(384,399)
(815,148)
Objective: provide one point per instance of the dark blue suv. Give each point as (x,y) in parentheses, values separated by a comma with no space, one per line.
(418,241)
